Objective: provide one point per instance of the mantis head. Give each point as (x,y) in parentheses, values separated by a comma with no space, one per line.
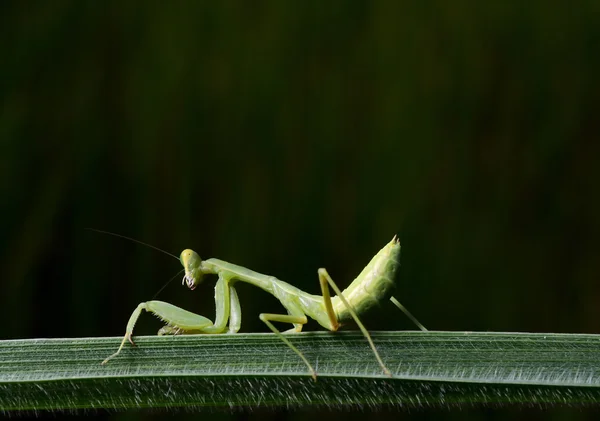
(191,263)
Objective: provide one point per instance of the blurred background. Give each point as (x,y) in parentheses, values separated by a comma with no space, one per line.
(288,136)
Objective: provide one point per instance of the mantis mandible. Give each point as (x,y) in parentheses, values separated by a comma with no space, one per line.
(372,286)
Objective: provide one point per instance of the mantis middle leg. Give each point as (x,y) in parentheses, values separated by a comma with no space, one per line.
(297,318)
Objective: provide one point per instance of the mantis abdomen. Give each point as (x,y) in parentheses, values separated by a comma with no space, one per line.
(374,285)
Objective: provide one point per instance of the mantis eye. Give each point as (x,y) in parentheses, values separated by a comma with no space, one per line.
(190,259)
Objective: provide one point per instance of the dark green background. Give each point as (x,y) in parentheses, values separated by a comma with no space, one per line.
(286,136)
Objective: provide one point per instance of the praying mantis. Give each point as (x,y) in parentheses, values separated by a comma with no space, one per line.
(372,286)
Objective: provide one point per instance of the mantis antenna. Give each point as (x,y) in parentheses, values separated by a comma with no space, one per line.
(143,244)
(134,240)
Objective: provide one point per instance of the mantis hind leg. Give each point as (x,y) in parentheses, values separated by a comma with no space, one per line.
(408,314)
(298,321)
(326,281)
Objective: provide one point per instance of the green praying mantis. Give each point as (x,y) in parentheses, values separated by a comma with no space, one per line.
(372,286)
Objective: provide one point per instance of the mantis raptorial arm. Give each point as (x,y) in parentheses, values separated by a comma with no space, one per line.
(222,306)
(235,317)
(181,321)
(174,315)
(235,311)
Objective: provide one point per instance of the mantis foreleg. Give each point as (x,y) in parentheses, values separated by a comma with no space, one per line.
(173,315)
(222,307)
(235,318)
(181,321)
(235,311)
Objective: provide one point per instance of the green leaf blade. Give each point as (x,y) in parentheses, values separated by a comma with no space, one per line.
(258,370)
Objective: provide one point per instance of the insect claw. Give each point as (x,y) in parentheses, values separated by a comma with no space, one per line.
(130,340)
